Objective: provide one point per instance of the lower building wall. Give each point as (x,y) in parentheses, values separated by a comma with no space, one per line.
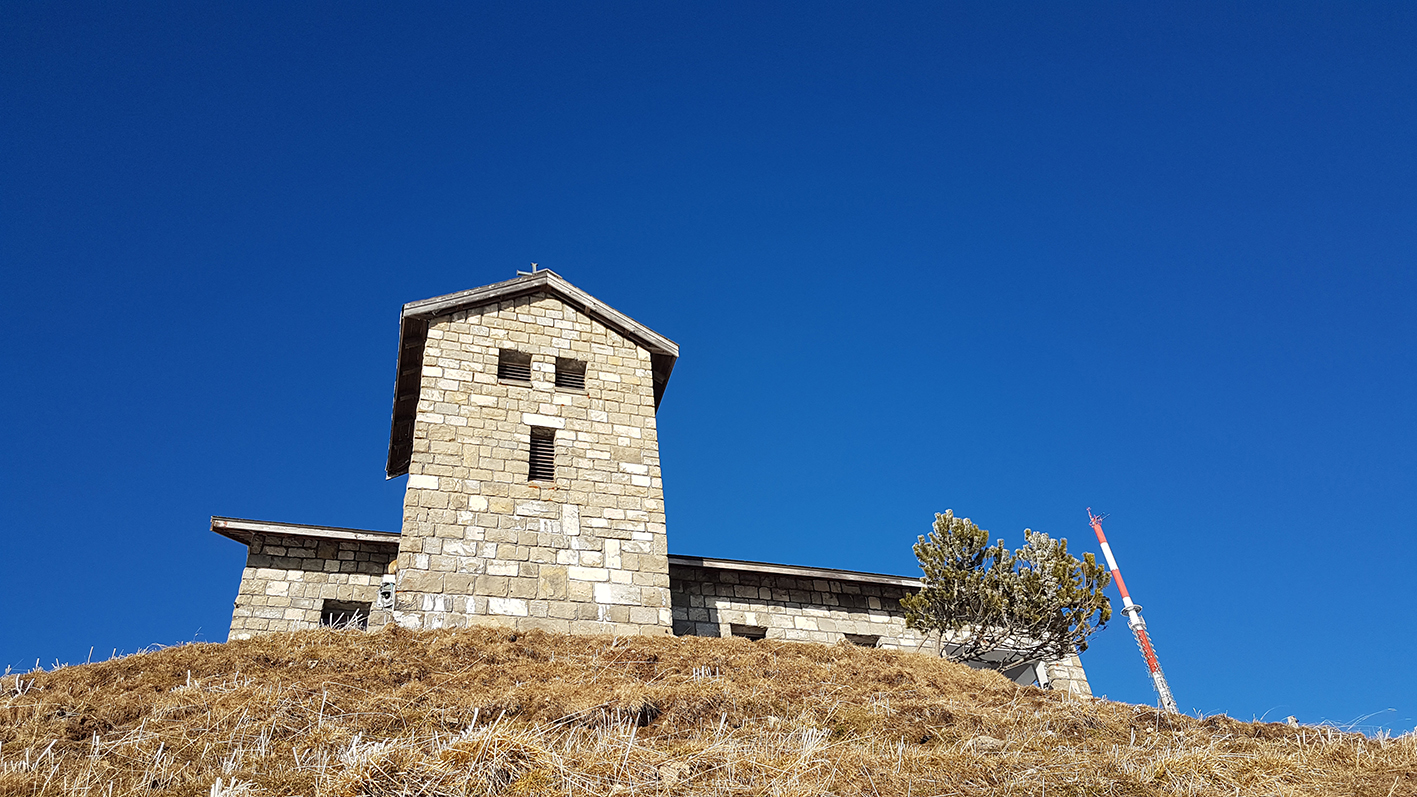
(288,581)
(538,566)
(711,601)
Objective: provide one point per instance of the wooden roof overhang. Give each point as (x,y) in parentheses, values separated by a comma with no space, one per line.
(244,531)
(795,571)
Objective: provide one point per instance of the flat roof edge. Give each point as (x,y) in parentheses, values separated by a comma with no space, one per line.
(798,571)
(243,530)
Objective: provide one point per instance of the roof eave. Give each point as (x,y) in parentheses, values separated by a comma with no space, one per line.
(544,279)
(244,531)
(795,571)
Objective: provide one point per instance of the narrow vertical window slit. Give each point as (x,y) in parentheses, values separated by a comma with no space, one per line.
(543,454)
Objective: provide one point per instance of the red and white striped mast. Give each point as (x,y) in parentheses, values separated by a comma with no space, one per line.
(1134,621)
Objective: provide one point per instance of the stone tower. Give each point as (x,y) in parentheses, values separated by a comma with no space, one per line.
(524,417)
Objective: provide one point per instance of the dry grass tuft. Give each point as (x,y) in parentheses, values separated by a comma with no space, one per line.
(485,712)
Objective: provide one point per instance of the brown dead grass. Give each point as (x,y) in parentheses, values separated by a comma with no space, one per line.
(490,712)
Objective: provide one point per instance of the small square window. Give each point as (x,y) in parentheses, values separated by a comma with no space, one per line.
(345,614)
(542,464)
(570,373)
(513,365)
(753,632)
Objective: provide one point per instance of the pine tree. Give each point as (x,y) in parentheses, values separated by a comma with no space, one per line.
(1035,603)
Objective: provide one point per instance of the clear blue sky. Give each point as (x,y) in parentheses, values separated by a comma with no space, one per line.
(1016,262)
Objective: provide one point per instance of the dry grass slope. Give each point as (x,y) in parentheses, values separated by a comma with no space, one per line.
(488,712)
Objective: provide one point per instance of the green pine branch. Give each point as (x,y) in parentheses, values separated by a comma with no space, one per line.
(1036,603)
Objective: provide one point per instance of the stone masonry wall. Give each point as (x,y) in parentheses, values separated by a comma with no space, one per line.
(1067,675)
(481,544)
(288,578)
(709,601)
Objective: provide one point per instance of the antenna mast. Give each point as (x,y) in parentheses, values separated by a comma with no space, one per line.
(1134,621)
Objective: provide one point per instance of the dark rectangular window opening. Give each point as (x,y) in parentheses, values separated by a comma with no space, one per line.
(513,365)
(864,640)
(753,632)
(570,373)
(543,455)
(345,614)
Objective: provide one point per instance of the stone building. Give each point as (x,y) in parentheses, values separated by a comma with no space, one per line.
(524,418)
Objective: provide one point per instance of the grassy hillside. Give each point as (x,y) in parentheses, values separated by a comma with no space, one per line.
(490,712)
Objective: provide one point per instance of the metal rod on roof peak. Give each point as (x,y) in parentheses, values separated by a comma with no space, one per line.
(1134,621)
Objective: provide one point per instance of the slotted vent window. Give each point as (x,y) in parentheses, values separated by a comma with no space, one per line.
(513,365)
(543,454)
(753,632)
(570,373)
(864,640)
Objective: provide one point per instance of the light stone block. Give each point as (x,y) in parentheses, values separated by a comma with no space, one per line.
(533,419)
(514,607)
(618,594)
(587,573)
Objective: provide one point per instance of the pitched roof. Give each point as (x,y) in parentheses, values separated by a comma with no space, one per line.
(413,333)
